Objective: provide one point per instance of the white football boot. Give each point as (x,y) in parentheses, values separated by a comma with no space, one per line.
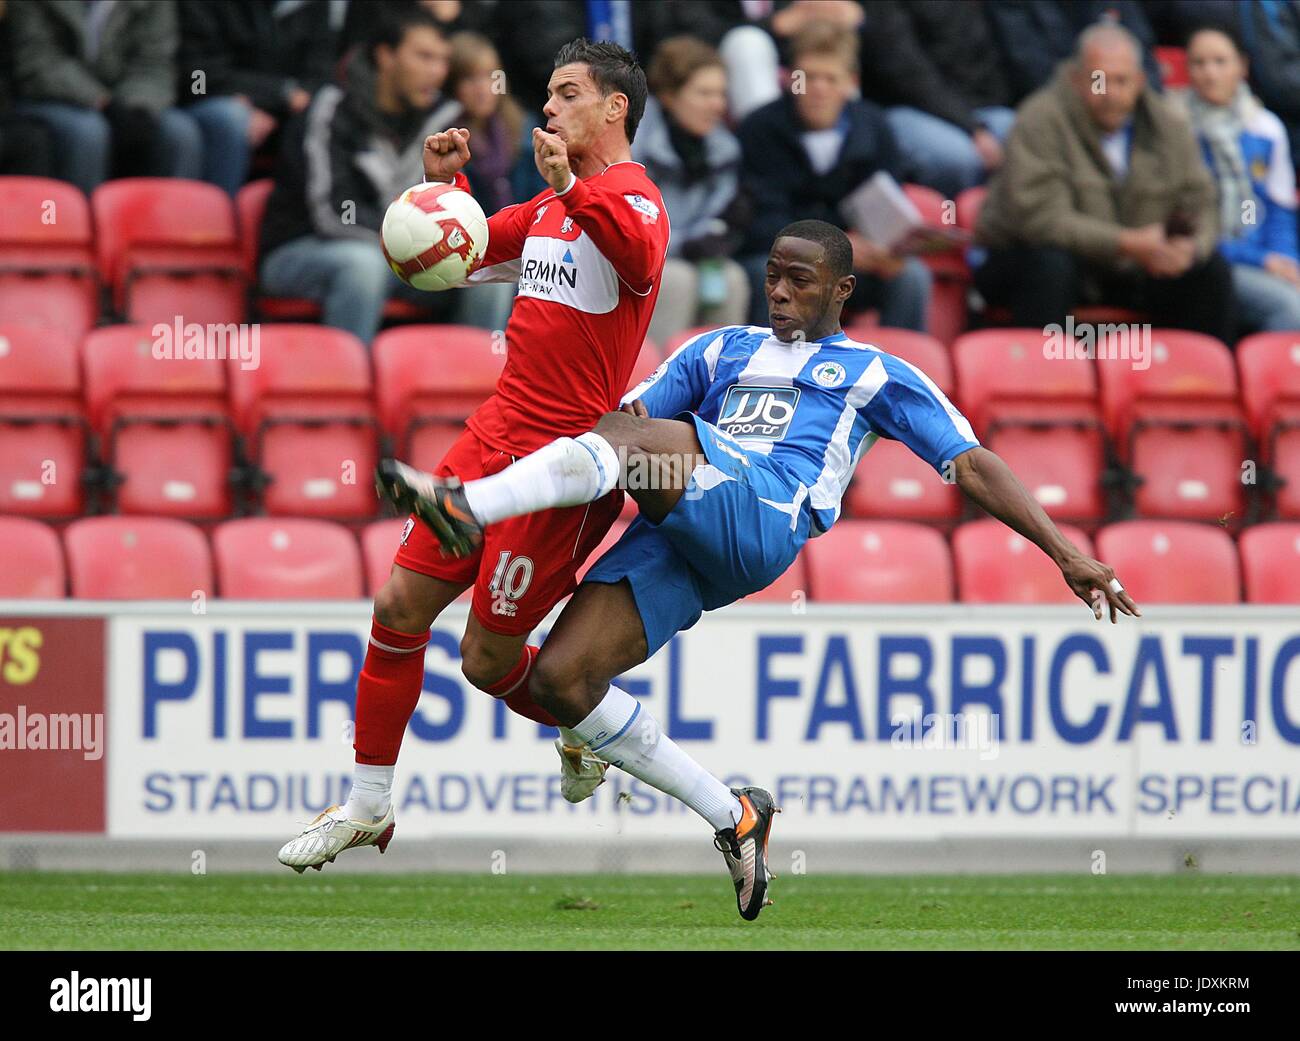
(581,773)
(330,834)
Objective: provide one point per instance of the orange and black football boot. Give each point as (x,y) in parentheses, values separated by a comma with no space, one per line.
(438,501)
(744,847)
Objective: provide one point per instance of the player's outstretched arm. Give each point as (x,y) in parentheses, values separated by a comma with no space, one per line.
(988,482)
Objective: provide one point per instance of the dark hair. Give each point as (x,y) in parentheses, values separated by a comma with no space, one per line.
(613,69)
(839,251)
(1217,27)
(395,22)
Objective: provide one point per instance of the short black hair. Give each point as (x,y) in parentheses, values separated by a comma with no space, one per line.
(839,251)
(613,68)
(396,21)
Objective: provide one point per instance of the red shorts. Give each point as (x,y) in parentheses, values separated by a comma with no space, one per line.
(525,565)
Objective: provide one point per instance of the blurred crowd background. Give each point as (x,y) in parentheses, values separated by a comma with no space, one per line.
(1169,193)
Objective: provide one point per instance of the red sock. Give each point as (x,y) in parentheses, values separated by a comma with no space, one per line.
(512,688)
(387,692)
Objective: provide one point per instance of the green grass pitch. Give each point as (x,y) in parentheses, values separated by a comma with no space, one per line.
(574,912)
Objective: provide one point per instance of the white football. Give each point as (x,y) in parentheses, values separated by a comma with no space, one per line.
(434,235)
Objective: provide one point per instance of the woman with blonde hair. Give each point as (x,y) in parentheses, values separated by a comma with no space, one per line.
(690,154)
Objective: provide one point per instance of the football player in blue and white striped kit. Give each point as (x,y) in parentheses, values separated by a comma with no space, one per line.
(737,450)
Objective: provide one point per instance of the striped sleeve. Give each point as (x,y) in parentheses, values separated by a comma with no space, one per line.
(680,383)
(909,408)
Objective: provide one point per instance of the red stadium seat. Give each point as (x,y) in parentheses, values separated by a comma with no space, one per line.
(1270,390)
(947,315)
(279,558)
(1172,562)
(250,204)
(995,565)
(33,561)
(42,425)
(1173,66)
(1039,413)
(168,248)
(306,415)
(137,558)
(888,562)
(892,482)
(1270,563)
(47,268)
(428,379)
(919,349)
(1177,424)
(163,424)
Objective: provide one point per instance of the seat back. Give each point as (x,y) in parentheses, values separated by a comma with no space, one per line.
(1172,562)
(137,558)
(891,562)
(265,558)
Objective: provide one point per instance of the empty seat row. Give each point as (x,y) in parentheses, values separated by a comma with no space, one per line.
(289,419)
(256,558)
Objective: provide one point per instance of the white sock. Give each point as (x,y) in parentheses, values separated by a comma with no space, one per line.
(624,734)
(567,472)
(372,792)
(569,737)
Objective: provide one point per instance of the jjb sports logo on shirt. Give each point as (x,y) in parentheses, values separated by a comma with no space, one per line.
(763,412)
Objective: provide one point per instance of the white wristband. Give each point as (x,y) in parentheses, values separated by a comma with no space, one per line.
(573,179)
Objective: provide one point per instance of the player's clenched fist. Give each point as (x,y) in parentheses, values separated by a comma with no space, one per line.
(445,153)
(552,158)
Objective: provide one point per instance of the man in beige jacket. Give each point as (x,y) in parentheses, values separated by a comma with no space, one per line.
(1103,198)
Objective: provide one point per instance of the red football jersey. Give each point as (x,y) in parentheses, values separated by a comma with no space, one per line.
(588,265)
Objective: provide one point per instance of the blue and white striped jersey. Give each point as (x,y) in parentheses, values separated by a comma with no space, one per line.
(812,407)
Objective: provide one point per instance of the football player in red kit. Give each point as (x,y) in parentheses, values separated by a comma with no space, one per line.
(587,254)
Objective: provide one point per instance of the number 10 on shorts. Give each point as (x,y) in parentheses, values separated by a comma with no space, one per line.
(510,581)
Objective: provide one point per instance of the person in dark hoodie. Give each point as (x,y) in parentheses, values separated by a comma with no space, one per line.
(803,153)
(353,151)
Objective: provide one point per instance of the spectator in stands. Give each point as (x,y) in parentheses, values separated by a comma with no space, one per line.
(1037,35)
(453,16)
(803,153)
(752,37)
(1270,31)
(102,77)
(1104,198)
(695,162)
(243,73)
(25,144)
(1245,146)
(935,64)
(502,169)
(354,150)
(528,32)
